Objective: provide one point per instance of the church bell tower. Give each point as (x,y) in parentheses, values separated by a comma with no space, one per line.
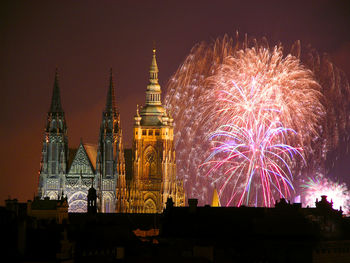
(53,166)
(110,154)
(154,165)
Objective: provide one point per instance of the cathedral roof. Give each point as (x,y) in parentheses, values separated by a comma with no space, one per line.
(85,151)
(151,115)
(72,152)
(91,150)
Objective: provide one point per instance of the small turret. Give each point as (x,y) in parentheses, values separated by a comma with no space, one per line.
(92,199)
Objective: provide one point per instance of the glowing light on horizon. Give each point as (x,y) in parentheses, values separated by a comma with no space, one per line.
(336,192)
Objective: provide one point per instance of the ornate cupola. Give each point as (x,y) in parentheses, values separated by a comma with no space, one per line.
(153,93)
(153,113)
(92,200)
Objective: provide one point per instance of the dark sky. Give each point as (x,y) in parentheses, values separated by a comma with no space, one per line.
(85,38)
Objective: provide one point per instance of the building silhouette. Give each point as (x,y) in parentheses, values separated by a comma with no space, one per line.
(152,177)
(285,233)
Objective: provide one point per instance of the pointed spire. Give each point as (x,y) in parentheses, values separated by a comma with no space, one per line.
(153,71)
(110,103)
(216,199)
(153,93)
(56,98)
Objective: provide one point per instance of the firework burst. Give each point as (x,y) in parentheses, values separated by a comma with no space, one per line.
(230,94)
(254,159)
(337,193)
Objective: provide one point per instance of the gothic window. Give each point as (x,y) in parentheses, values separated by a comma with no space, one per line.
(109,151)
(107,203)
(53,125)
(77,203)
(53,167)
(52,196)
(150,164)
(157,132)
(150,133)
(150,206)
(109,168)
(54,151)
(144,132)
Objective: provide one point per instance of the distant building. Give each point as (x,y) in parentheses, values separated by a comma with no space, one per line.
(152,172)
(285,233)
(48,209)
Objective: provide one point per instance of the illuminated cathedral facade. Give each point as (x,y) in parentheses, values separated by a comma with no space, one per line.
(72,172)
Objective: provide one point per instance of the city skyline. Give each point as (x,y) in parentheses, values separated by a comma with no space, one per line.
(85,39)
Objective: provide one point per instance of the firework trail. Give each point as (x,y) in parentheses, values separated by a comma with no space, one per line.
(205,99)
(335,192)
(251,156)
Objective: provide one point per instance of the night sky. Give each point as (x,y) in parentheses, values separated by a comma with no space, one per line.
(84,39)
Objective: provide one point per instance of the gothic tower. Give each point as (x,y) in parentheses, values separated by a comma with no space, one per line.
(154,166)
(53,166)
(110,154)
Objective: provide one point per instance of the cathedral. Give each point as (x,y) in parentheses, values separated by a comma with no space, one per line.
(136,181)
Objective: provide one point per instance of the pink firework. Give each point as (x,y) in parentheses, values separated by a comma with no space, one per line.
(336,192)
(301,91)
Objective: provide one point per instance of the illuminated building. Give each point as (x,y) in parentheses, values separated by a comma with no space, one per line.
(71,172)
(154,164)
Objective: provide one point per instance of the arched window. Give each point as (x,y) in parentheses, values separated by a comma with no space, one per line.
(150,206)
(53,125)
(77,202)
(150,164)
(52,196)
(107,206)
(107,203)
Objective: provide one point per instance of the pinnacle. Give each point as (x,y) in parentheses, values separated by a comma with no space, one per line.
(56,98)
(153,71)
(110,103)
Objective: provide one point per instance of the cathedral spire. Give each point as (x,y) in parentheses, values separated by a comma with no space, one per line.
(110,103)
(56,98)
